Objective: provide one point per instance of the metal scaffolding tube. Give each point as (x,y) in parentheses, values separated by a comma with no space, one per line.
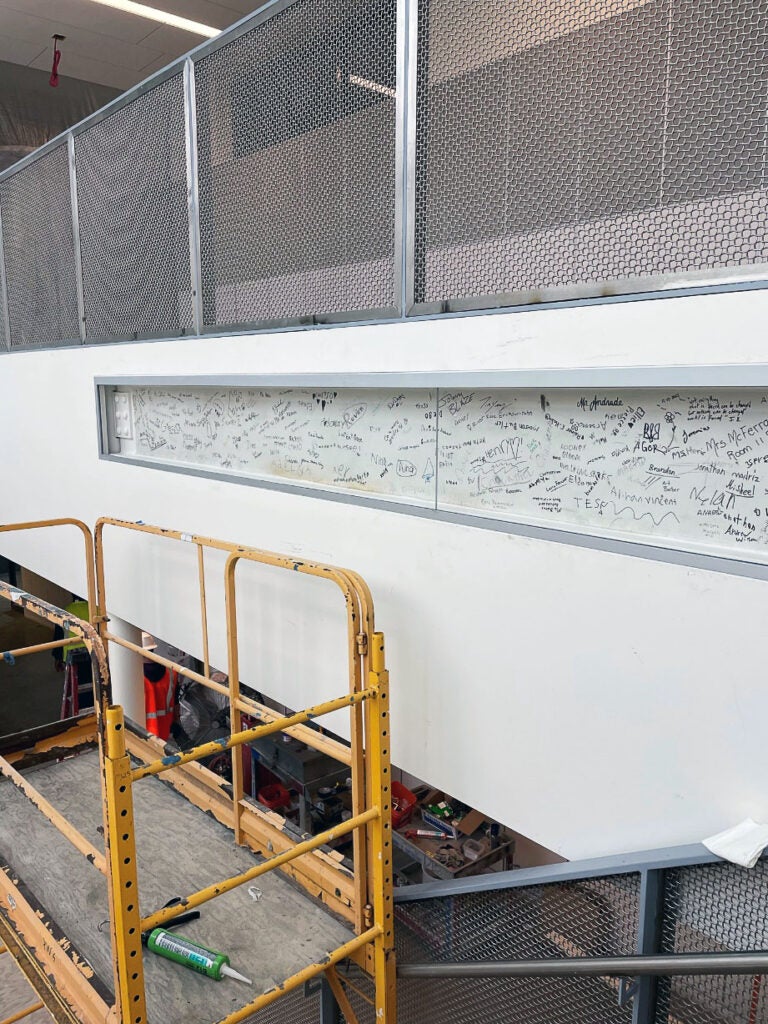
(23,1013)
(302,976)
(218,889)
(69,832)
(237,739)
(306,735)
(49,645)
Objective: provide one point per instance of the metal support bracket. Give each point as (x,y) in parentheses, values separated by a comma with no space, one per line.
(628,988)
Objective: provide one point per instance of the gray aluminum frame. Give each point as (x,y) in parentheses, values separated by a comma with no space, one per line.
(723,376)
(193,196)
(76,235)
(6,347)
(404,306)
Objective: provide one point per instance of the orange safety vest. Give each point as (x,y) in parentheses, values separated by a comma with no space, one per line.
(159,703)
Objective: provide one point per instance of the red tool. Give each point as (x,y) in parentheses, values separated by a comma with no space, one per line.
(423,833)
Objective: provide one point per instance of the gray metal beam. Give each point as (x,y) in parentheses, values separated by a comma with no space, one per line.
(649,943)
(330,1012)
(722,376)
(572,871)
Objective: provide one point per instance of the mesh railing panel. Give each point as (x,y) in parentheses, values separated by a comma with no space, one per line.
(296,151)
(720,908)
(578,147)
(134,226)
(590,918)
(39,252)
(294,1008)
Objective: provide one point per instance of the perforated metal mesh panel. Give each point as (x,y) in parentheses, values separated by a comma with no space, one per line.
(360,990)
(714,909)
(577,147)
(294,1008)
(296,149)
(590,918)
(134,226)
(39,252)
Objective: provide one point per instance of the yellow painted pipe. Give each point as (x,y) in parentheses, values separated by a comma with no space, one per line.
(23,1013)
(312,738)
(58,820)
(159,918)
(301,977)
(237,739)
(36,648)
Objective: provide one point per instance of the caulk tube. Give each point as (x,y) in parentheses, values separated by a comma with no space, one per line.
(190,954)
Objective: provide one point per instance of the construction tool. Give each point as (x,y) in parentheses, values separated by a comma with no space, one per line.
(423,833)
(190,954)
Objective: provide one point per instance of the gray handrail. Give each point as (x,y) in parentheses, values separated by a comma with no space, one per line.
(594,967)
(694,855)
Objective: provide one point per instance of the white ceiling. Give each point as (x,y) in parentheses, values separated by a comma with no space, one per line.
(105,45)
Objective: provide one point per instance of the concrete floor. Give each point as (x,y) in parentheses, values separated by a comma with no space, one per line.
(180,849)
(16,994)
(30,690)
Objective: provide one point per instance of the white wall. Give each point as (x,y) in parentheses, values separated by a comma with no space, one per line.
(595,702)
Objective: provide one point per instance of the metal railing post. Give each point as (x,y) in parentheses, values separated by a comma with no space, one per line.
(76,235)
(651,913)
(6,319)
(378,788)
(408,169)
(193,195)
(120,840)
(329,1008)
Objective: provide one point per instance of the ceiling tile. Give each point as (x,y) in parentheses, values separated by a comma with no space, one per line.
(170,40)
(155,65)
(84,14)
(31,29)
(16,51)
(245,6)
(215,15)
(90,70)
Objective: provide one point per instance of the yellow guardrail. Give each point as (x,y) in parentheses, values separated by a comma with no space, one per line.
(367,757)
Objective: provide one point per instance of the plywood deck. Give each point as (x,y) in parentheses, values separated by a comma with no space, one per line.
(180,849)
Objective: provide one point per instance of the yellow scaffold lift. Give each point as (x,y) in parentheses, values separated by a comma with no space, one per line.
(83,877)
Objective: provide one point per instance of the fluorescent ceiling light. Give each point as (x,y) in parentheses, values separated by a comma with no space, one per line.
(130,7)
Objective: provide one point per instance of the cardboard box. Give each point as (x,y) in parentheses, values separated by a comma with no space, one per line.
(450,828)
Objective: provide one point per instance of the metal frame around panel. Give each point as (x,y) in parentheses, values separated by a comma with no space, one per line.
(409,167)
(193,196)
(384,314)
(693,556)
(720,375)
(401,147)
(4,293)
(72,161)
(651,285)
(650,916)
(629,289)
(694,855)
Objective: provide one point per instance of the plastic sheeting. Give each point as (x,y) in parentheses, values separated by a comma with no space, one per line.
(31,112)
